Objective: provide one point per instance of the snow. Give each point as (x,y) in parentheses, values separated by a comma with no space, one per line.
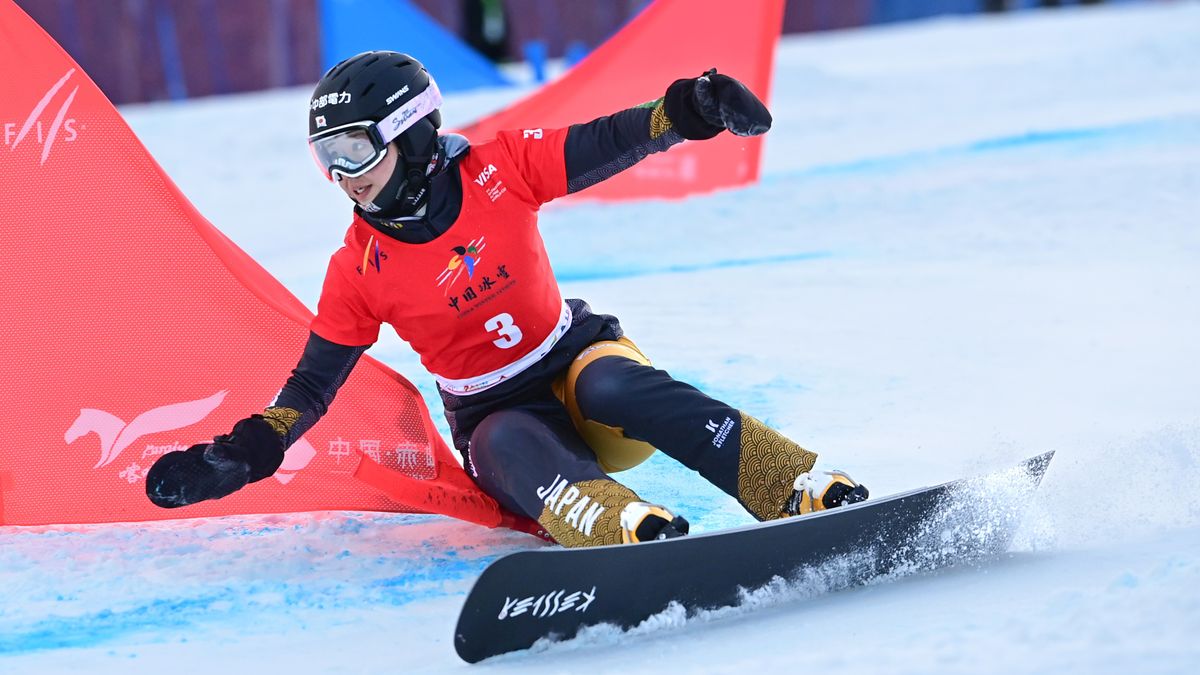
(975,239)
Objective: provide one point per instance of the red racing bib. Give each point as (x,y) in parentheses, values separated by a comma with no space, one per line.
(480,303)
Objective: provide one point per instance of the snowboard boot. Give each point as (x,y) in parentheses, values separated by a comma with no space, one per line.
(648,522)
(815,491)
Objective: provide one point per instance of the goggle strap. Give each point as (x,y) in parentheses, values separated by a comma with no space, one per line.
(408,114)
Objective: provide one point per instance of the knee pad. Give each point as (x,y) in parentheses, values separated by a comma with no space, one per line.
(614,451)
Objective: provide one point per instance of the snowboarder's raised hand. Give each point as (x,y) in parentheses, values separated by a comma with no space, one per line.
(251,452)
(702,107)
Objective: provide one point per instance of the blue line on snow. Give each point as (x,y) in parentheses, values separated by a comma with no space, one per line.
(221,605)
(97,627)
(1023,140)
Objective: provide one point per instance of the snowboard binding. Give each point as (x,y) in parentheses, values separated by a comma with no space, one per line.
(814,491)
(641,521)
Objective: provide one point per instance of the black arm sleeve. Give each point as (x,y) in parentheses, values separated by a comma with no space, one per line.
(606,146)
(323,368)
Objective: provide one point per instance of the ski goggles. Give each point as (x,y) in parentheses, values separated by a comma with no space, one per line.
(350,150)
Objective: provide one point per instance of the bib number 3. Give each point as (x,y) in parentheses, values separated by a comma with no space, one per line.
(510,333)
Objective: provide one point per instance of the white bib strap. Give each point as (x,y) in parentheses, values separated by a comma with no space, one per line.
(474,385)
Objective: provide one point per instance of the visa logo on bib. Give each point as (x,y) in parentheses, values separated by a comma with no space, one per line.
(485,174)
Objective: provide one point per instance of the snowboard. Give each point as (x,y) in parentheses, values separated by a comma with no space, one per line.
(554,592)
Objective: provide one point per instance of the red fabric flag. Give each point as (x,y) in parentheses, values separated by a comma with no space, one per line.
(669,40)
(132,327)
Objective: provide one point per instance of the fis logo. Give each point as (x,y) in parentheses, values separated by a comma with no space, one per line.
(45,130)
(373,257)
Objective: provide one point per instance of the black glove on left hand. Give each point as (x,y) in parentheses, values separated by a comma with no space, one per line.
(702,107)
(251,452)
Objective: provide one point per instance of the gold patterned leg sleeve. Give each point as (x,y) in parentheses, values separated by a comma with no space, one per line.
(767,467)
(587,513)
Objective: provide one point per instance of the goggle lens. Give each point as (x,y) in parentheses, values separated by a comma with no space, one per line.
(349,153)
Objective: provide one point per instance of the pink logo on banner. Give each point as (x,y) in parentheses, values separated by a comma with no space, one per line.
(45,136)
(115,435)
(296,458)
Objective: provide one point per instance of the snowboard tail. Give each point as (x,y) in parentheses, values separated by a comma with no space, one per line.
(555,592)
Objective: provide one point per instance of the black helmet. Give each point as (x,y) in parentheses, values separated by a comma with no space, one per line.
(362,105)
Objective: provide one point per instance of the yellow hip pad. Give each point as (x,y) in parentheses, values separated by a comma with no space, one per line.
(613,450)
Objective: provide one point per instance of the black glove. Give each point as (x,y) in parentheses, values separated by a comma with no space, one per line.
(702,107)
(252,451)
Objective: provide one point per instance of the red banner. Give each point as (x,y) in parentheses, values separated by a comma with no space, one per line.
(131,327)
(669,40)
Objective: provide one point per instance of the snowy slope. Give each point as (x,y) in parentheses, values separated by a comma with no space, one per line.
(975,240)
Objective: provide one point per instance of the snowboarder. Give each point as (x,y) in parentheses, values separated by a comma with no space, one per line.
(544,398)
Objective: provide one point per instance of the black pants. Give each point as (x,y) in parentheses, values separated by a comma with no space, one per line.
(519,441)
